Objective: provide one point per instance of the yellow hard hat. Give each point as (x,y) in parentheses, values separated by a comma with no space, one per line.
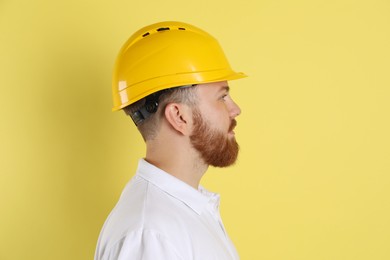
(166,55)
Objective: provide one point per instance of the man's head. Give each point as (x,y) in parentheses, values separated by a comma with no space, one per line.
(174,62)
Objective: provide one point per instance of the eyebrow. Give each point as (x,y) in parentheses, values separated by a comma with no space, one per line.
(224,88)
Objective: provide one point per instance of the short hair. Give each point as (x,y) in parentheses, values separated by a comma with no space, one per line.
(150,126)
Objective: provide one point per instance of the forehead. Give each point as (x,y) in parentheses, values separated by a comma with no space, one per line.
(207,89)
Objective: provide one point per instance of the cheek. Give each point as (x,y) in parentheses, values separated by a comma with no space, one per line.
(220,121)
(216,115)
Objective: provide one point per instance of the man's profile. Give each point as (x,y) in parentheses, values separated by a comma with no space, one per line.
(172,78)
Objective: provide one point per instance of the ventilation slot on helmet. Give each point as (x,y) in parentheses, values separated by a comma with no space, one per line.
(163,29)
(181,28)
(146,34)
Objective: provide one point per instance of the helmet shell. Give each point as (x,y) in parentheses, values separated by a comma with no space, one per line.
(166,55)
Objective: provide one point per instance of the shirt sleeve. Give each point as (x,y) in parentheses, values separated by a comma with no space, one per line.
(143,245)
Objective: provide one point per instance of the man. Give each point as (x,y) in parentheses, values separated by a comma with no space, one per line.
(172,78)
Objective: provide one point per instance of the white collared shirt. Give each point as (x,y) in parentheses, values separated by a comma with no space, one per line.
(159,217)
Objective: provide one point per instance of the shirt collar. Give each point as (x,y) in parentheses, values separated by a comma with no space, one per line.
(197,200)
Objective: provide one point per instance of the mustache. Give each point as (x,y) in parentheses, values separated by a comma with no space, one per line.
(233,124)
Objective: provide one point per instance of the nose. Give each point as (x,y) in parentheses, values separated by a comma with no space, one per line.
(234,110)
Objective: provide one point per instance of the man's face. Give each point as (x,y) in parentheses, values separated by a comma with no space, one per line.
(213,135)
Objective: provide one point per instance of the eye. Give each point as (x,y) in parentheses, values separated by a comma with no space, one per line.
(224,96)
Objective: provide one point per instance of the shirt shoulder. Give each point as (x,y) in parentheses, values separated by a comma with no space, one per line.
(145,219)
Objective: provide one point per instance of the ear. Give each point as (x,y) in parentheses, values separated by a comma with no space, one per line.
(178,116)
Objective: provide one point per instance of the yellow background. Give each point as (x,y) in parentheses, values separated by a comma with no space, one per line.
(312,181)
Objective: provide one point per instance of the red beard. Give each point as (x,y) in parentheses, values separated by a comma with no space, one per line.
(214,146)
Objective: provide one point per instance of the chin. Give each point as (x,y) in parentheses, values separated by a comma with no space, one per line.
(231,136)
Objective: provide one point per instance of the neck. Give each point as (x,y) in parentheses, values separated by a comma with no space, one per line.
(178,159)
